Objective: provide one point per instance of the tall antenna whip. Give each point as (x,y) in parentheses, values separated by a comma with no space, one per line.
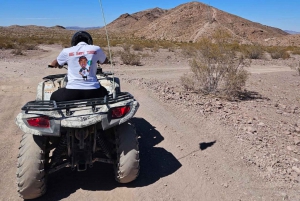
(108,44)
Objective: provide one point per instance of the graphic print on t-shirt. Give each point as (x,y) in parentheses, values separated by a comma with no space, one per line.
(84,72)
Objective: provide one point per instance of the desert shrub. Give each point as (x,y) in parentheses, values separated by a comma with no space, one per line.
(126,47)
(188,51)
(253,51)
(129,58)
(30,47)
(109,53)
(17,52)
(296,67)
(278,53)
(155,48)
(172,49)
(296,51)
(216,68)
(7,46)
(187,82)
(150,45)
(234,80)
(137,47)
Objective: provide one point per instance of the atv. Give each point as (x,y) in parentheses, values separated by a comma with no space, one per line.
(76,134)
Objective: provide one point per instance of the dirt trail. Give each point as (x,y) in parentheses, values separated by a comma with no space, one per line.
(184,156)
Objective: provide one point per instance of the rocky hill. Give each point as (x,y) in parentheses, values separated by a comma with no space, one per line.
(185,23)
(132,22)
(191,21)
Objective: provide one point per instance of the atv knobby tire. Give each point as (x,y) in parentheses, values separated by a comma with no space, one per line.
(127,166)
(31,176)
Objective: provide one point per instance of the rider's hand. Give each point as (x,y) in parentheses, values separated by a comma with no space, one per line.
(51,66)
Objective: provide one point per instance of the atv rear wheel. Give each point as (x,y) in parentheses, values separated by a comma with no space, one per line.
(127,167)
(31,176)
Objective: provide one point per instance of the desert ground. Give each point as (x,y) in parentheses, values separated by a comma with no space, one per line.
(192,147)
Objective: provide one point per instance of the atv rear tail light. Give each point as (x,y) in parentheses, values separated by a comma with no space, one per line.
(119,112)
(42,122)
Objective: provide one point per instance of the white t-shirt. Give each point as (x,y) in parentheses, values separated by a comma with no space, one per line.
(89,55)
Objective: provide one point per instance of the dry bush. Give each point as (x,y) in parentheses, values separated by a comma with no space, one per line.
(155,49)
(278,53)
(216,68)
(17,52)
(129,58)
(188,82)
(30,46)
(151,45)
(296,67)
(188,51)
(137,47)
(112,53)
(126,47)
(252,51)
(296,50)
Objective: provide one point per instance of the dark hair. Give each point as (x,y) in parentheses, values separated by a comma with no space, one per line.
(81,36)
(82,57)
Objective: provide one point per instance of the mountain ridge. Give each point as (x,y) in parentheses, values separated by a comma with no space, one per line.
(190,22)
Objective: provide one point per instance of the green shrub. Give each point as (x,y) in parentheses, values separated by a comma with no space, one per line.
(216,68)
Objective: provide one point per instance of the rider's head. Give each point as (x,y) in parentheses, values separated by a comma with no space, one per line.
(81,36)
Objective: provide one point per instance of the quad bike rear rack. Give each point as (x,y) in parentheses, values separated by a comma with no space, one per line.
(53,105)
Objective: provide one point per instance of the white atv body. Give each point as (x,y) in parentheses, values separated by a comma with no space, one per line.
(76,134)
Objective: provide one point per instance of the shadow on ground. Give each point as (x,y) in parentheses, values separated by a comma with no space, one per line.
(205,145)
(155,163)
(250,95)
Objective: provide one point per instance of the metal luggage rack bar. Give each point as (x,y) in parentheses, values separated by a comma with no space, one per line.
(53,105)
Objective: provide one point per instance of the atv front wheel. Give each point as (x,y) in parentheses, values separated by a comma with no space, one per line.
(31,176)
(127,167)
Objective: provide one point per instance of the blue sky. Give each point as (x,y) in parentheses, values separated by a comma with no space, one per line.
(277,13)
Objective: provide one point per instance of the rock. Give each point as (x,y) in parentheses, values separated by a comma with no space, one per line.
(225,185)
(249,121)
(297,129)
(284,196)
(250,129)
(296,140)
(296,169)
(261,124)
(290,148)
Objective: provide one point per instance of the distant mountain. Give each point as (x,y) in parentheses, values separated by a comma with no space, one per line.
(189,23)
(132,22)
(76,28)
(292,32)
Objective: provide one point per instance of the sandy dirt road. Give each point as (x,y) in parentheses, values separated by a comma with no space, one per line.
(184,156)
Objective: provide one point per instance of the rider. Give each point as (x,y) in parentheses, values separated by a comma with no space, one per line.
(78,86)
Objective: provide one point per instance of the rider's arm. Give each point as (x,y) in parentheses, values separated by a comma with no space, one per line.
(106,61)
(54,63)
